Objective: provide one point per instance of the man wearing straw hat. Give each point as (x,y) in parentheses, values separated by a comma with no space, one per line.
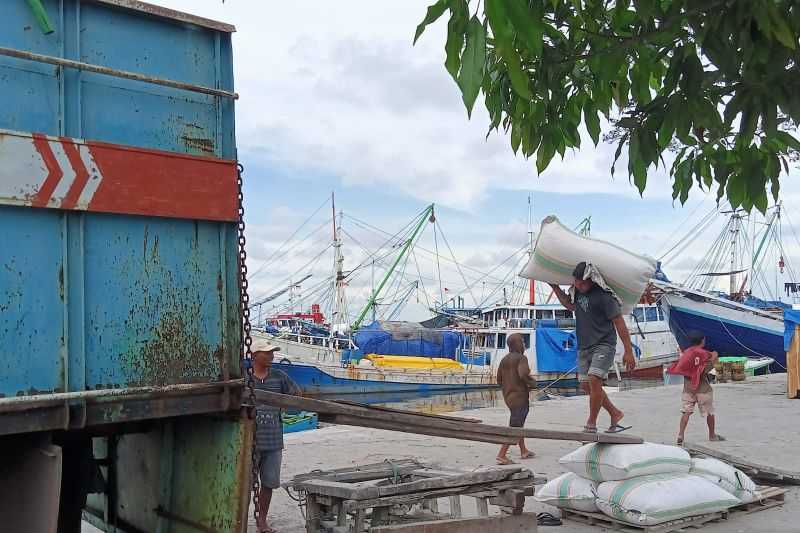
(269,426)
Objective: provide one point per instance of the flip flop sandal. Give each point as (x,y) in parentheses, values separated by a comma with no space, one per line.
(529,455)
(719,438)
(679,442)
(590,429)
(547,519)
(616,428)
(505,461)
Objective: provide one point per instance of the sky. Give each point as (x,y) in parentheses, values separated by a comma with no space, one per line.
(335,99)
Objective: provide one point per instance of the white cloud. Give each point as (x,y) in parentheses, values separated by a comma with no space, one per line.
(336,89)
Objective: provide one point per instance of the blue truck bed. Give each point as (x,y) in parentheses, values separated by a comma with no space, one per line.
(119,289)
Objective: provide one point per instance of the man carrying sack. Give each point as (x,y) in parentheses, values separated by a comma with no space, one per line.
(598,321)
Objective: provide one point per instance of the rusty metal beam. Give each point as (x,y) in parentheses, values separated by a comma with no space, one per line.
(163,12)
(22,403)
(96,409)
(98,69)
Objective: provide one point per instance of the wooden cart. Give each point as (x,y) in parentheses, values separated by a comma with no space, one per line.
(404,495)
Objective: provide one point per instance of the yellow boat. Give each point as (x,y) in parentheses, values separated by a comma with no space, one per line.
(415,363)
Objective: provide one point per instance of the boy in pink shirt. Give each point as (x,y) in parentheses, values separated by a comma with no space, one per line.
(694,364)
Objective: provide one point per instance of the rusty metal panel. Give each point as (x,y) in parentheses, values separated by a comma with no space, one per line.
(32,302)
(55,100)
(155,304)
(102,301)
(186,475)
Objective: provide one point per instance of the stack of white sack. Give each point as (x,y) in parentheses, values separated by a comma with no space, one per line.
(645,484)
(558,249)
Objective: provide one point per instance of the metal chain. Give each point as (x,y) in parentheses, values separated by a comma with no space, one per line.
(246,339)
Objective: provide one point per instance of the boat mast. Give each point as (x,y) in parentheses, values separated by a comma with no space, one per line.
(531,283)
(427,215)
(734,234)
(339,305)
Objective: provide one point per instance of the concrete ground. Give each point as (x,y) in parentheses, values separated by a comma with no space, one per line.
(756,417)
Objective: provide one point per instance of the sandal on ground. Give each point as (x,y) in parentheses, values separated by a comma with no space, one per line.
(679,441)
(505,461)
(590,429)
(527,455)
(718,438)
(547,519)
(616,428)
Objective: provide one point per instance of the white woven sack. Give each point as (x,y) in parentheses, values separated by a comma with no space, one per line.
(651,500)
(726,477)
(558,249)
(611,462)
(569,491)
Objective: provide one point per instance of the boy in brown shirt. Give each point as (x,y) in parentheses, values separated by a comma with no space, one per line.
(514,378)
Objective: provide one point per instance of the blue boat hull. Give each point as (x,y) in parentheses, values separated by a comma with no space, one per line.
(729,338)
(315,382)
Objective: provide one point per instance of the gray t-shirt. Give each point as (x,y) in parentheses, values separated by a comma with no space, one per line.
(594,311)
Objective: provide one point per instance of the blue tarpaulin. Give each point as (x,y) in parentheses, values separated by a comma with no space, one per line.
(408,338)
(791,318)
(556,350)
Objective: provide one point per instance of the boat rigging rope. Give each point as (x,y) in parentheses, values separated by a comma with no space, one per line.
(438,266)
(285,281)
(689,237)
(372,256)
(562,376)
(511,274)
(679,226)
(374,229)
(458,265)
(419,274)
(275,257)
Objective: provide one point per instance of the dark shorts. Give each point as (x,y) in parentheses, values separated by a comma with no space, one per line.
(269,468)
(518,416)
(596,361)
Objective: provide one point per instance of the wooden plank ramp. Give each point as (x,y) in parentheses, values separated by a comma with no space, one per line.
(770,497)
(354,414)
(761,472)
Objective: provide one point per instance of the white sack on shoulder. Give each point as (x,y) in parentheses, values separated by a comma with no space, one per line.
(558,249)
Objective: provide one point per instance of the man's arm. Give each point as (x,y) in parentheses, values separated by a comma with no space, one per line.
(711,363)
(562,297)
(288,386)
(625,336)
(525,373)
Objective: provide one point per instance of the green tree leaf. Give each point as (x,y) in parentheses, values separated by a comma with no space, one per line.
(434,12)
(780,27)
(592,121)
(718,78)
(504,39)
(516,137)
(788,140)
(545,154)
(456,33)
(760,201)
(473,60)
(527,23)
